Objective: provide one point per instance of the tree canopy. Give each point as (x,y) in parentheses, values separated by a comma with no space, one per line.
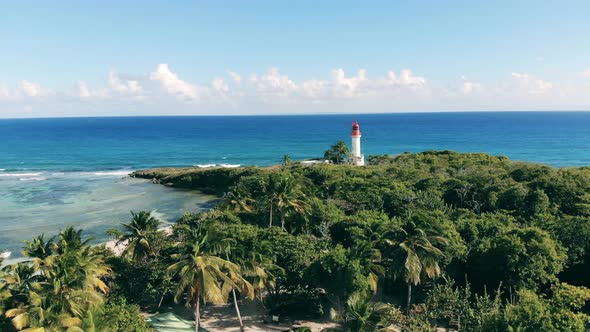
(468,241)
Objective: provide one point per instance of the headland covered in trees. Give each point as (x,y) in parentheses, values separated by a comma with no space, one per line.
(413,242)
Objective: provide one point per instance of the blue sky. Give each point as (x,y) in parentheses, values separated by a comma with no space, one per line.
(49,49)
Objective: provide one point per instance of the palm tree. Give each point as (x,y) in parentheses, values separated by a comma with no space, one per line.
(202,276)
(289,203)
(254,271)
(38,250)
(139,235)
(37,247)
(337,153)
(363,315)
(57,292)
(261,272)
(287,160)
(21,288)
(18,279)
(359,313)
(271,192)
(242,285)
(76,285)
(422,257)
(369,259)
(283,194)
(68,240)
(237,203)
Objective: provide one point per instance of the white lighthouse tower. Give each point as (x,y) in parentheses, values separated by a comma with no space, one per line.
(356,158)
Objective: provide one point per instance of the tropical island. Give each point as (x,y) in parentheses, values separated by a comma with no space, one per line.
(413,242)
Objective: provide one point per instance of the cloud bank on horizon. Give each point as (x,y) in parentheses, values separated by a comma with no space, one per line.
(166,92)
(103,58)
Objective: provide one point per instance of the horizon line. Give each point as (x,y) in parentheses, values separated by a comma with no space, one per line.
(291,114)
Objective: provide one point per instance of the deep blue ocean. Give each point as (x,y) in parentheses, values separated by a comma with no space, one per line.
(100,144)
(71,171)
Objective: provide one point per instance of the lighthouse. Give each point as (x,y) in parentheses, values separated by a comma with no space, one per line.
(356,158)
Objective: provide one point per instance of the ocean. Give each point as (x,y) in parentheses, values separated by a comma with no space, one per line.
(72,171)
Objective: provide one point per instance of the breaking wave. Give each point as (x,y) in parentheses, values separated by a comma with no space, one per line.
(217,165)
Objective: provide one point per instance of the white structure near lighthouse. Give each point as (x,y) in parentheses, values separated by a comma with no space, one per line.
(356,158)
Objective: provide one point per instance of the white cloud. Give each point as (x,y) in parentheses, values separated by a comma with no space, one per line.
(273,84)
(406,79)
(4,93)
(470,87)
(219,85)
(172,84)
(349,87)
(235,76)
(585,73)
(314,89)
(531,84)
(123,86)
(83,91)
(32,89)
(276,91)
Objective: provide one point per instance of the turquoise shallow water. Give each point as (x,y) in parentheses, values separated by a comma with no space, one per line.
(58,172)
(35,205)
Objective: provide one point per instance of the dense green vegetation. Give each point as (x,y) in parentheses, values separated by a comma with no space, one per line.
(63,288)
(468,241)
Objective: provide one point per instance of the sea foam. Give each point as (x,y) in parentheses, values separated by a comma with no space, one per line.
(217,165)
(205,165)
(230,165)
(113,173)
(19,174)
(36,178)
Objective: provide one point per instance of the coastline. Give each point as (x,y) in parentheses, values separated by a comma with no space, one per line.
(91,202)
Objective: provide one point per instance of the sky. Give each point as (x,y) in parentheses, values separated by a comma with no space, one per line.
(123,58)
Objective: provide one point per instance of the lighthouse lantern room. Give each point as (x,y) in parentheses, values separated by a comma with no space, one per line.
(356,158)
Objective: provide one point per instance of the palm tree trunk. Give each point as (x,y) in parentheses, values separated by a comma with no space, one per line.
(162,298)
(282,222)
(270,218)
(197,307)
(233,290)
(409,298)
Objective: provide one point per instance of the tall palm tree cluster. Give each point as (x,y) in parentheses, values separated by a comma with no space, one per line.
(60,288)
(206,267)
(279,194)
(412,253)
(284,195)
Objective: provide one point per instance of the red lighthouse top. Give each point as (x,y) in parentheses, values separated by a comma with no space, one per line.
(356,131)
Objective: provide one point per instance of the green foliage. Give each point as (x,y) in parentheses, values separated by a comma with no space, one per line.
(346,232)
(559,313)
(297,303)
(58,289)
(452,306)
(338,153)
(124,317)
(524,257)
(140,236)
(361,313)
(460,308)
(282,194)
(128,277)
(345,271)
(287,160)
